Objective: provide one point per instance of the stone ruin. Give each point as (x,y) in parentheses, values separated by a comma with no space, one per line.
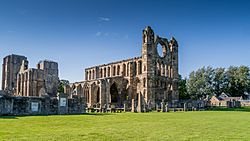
(45,105)
(137,84)
(19,80)
(33,91)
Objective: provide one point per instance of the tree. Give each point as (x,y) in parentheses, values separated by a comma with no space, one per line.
(238,80)
(207,81)
(199,84)
(183,88)
(219,81)
(62,83)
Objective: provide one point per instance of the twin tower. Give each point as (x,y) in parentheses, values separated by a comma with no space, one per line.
(19,80)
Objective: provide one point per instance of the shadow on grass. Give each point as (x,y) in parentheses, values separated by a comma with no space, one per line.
(98,114)
(241,109)
(8,117)
(85,114)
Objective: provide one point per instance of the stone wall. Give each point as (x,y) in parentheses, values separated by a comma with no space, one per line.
(19,105)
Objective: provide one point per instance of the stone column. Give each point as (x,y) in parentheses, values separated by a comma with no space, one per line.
(133,105)
(185,107)
(124,107)
(102,95)
(167,107)
(163,107)
(18,84)
(25,86)
(138,68)
(139,102)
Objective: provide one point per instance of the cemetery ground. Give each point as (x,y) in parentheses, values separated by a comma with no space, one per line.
(213,125)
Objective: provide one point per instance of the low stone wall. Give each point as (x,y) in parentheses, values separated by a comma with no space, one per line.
(13,105)
(245,103)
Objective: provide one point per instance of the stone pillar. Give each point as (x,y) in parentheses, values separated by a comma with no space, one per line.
(138,68)
(21,85)
(185,107)
(124,107)
(102,95)
(133,105)
(139,103)
(107,94)
(25,86)
(163,108)
(167,107)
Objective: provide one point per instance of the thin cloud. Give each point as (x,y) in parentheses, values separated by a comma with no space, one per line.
(98,34)
(22,11)
(126,37)
(11,31)
(103,19)
(106,34)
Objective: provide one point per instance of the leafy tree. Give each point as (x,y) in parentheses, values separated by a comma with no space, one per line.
(62,83)
(207,81)
(238,80)
(219,81)
(200,83)
(183,88)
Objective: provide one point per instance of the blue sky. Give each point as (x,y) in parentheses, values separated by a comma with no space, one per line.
(83,33)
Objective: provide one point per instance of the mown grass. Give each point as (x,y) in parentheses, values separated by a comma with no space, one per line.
(242,109)
(204,125)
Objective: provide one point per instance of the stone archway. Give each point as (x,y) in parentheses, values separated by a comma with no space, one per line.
(98,95)
(161,45)
(114,94)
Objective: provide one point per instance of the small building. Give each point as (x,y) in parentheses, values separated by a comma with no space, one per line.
(225,101)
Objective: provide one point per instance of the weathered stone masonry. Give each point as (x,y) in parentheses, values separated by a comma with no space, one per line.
(44,105)
(33,91)
(20,80)
(140,83)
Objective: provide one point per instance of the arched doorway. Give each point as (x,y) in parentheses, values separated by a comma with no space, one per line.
(98,95)
(86,94)
(114,94)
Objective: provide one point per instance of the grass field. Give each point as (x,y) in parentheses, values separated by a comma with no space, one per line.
(204,125)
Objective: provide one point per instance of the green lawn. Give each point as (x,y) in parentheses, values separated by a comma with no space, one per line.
(204,125)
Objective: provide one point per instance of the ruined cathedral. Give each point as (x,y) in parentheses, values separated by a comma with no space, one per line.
(139,83)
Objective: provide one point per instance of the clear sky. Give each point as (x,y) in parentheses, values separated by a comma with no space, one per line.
(83,33)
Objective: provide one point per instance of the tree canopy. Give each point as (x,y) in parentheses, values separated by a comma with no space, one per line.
(208,81)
